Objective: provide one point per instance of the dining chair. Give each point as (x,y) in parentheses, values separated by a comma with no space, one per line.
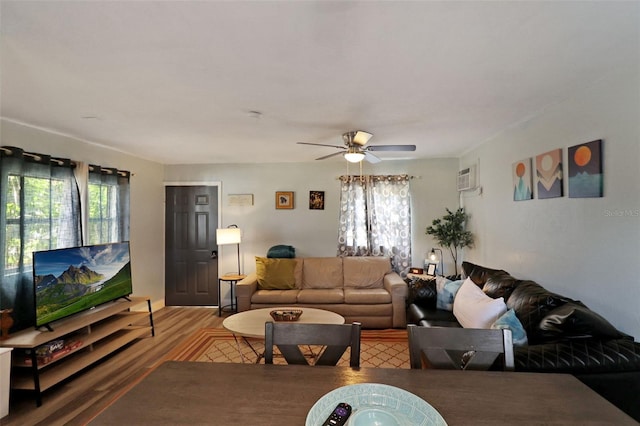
(335,339)
(459,348)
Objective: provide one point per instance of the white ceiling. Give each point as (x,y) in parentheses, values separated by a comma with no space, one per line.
(175,81)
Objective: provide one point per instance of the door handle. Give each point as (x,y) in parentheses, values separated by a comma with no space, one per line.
(214,254)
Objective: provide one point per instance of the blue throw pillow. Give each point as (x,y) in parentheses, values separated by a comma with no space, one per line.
(446,292)
(510,320)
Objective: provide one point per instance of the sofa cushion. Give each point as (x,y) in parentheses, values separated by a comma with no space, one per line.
(532,302)
(474,309)
(275,273)
(366,296)
(322,272)
(321,295)
(446,293)
(422,292)
(573,320)
(479,274)
(510,321)
(365,272)
(275,297)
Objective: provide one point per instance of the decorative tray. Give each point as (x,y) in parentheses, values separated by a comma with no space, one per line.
(286,314)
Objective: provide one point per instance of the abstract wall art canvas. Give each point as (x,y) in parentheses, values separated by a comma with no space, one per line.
(549,174)
(522,180)
(585,170)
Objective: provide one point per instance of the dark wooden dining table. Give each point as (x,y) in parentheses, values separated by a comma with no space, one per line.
(199,393)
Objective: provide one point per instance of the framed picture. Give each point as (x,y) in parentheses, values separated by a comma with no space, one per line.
(522,180)
(284,199)
(316,200)
(585,170)
(431,269)
(235,200)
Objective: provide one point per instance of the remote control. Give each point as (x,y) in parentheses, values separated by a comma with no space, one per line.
(339,416)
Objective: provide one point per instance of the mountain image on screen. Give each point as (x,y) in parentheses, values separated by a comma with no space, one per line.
(92,275)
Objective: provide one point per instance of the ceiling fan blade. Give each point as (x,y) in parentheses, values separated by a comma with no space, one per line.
(371,158)
(391,148)
(320,144)
(330,155)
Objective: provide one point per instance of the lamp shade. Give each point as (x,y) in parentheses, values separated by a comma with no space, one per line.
(228,236)
(353,157)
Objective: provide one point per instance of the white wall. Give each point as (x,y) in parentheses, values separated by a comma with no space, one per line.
(147,196)
(313,232)
(584,248)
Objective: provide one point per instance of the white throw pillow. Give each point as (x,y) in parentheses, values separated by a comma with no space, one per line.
(474,309)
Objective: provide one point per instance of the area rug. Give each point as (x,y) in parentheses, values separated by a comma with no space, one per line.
(378,348)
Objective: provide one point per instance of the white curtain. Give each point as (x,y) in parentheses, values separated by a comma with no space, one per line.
(375,218)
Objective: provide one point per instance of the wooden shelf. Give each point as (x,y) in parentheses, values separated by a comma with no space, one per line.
(100,331)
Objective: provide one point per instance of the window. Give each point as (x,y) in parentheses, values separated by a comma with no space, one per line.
(375,218)
(40,210)
(108,206)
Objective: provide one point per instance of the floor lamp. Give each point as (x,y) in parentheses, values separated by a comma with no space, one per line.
(230,235)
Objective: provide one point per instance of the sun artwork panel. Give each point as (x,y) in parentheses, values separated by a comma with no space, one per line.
(585,170)
(522,180)
(549,174)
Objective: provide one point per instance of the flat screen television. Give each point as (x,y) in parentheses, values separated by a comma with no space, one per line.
(71,280)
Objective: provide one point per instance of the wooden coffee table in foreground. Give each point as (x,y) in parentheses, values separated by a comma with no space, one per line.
(250,324)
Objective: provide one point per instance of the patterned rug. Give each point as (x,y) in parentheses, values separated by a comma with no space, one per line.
(378,348)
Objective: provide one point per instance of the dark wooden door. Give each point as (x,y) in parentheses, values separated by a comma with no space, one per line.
(191,264)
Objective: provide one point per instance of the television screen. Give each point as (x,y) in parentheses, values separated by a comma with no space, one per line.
(71,280)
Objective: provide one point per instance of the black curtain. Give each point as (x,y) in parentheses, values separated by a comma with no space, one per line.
(40,210)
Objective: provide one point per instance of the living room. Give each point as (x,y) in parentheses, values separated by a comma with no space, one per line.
(585,248)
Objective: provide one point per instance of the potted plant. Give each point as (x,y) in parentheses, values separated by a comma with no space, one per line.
(449,232)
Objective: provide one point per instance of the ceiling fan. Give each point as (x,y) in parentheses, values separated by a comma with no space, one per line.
(354,149)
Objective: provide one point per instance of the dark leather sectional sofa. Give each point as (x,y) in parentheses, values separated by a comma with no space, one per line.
(564,336)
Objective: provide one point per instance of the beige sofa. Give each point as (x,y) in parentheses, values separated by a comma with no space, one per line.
(362,289)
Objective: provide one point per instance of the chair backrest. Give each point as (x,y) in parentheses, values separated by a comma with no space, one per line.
(459,348)
(335,339)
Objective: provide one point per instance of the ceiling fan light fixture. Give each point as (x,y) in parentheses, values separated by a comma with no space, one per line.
(353,157)
(361,138)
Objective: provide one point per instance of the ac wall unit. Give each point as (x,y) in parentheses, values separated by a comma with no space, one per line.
(467,178)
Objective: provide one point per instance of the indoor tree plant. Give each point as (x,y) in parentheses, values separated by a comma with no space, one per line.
(449,232)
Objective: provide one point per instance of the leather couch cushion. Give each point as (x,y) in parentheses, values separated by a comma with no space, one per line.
(479,274)
(581,355)
(366,296)
(324,295)
(279,297)
(365,272)
(416,313)
(532,302)
(422,292)
(322,272)
(573,320)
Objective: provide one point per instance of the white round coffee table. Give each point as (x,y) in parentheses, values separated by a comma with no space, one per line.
(250,324)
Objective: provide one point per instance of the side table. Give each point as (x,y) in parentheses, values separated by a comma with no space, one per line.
(231,279)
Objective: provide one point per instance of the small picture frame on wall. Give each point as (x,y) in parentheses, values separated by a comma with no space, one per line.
(316,200)
(284,200)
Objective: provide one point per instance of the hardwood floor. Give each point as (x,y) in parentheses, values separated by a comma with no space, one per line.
(77,400)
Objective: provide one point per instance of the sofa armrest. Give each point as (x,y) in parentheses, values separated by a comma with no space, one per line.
(399,290)
(244,290)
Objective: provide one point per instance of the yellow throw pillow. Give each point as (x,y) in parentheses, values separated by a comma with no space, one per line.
(275,274)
